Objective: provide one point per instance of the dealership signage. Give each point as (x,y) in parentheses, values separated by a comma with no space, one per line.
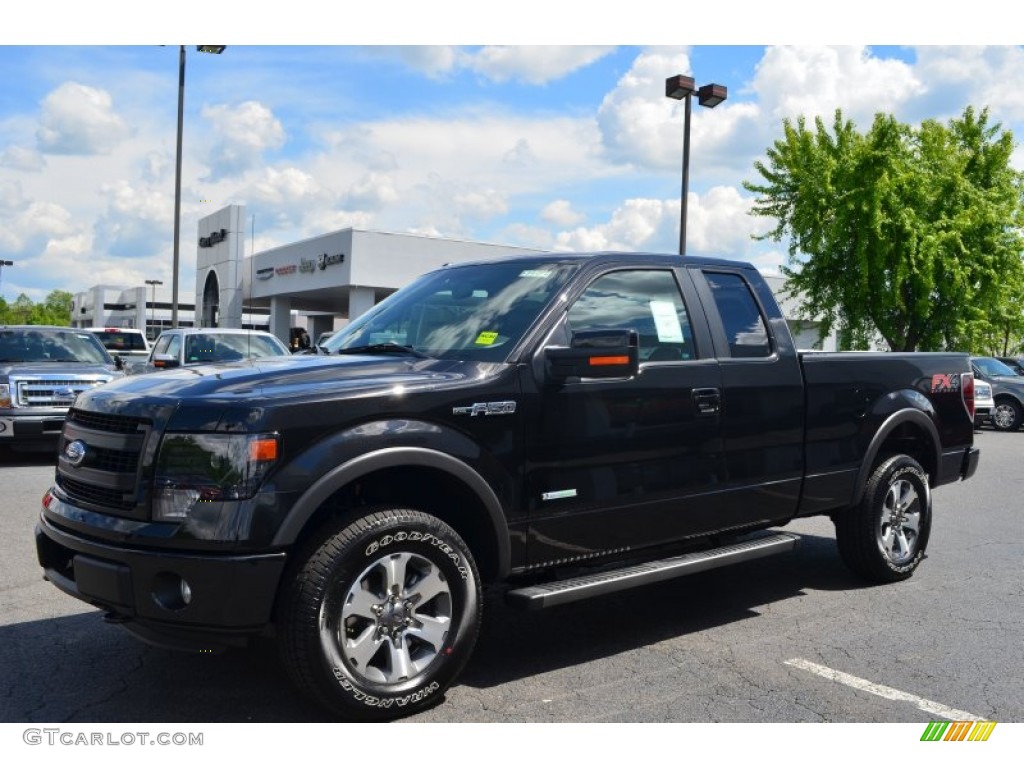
(325,260)
(287,269)
(307,265)
(265,274)
(219,236)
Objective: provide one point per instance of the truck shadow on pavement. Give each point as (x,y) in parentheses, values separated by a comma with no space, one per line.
(516,644)
(78,669)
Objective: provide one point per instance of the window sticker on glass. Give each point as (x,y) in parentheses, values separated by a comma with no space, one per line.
(666,321)
(535,273)
(486,338)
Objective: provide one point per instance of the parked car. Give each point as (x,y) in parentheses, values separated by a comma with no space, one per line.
(42,371)
(127,344)
(1007,391)
(984,403)
(1016,363)
(199,346)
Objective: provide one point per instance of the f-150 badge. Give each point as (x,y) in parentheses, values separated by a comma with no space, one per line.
(500,408)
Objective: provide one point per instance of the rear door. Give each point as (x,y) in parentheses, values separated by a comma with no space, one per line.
(762,395)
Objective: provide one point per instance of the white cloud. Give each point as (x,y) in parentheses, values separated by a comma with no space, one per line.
(533,64)
(245,131)
(816,80)
(982,76)
(635,118)
(79,120)
(717,224)
(371,192)
(22,159)
(135,212)
(434,61)
(561,213)
(480,203)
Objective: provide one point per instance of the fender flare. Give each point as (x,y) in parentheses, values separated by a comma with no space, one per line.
(894,420)
(386,458)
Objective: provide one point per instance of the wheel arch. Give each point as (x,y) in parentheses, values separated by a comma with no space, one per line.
(907,431)
(421,478)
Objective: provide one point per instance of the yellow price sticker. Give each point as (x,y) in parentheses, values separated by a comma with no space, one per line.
(487,338)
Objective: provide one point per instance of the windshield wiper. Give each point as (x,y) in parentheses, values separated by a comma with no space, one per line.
(388,348)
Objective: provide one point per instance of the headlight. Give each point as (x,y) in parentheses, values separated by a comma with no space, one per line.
(197,468)
(5,395)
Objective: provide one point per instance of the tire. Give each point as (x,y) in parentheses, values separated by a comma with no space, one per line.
(380,616)
(1007,414)
(883,538)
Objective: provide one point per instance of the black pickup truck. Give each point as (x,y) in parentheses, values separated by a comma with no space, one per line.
(555,427)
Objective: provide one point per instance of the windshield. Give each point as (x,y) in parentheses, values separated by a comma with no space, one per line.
(46,345)
(213,347)
(474,312)
(989,366)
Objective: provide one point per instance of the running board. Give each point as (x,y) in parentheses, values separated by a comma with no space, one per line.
(603,583)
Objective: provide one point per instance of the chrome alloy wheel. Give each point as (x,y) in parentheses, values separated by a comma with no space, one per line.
(1004,415)
(392,622)
(899,526)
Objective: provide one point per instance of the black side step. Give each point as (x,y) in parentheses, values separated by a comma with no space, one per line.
(606,582)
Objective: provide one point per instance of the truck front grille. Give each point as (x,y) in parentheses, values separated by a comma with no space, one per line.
(105,470)
(49,392)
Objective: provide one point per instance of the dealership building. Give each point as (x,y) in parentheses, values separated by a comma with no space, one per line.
(317,283)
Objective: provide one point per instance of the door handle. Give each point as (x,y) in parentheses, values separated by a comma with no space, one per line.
(707,402)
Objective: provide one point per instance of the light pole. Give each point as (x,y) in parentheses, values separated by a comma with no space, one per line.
(152,304)
(4,263)
(710,95)
(177,170)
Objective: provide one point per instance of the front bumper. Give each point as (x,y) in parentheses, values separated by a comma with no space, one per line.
(231,596)
(17,428)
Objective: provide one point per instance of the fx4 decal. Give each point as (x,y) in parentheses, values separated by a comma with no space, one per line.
(946,382)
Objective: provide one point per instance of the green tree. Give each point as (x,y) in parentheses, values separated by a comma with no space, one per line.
(911,234)
(54,310)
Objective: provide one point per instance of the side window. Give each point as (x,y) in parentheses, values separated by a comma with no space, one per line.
(647,301)
(744,327)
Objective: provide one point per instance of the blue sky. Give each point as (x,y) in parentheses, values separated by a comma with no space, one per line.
(536,144)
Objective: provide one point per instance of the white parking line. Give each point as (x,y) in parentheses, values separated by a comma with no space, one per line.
(884,691)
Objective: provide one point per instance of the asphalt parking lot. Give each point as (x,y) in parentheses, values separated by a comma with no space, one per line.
(793,638)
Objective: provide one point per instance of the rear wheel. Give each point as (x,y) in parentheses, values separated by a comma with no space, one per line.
(382,615)
(883,538)
(1007,414)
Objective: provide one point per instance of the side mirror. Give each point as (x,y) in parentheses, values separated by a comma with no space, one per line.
(165,361)
(118,362)
(601,354)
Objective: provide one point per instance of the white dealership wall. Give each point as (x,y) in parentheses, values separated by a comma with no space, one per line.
(328,279)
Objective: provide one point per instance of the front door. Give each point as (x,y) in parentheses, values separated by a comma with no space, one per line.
(618,464)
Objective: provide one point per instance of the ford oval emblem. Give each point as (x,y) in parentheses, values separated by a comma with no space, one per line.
(74,452)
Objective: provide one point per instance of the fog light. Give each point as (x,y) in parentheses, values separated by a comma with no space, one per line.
(186,592)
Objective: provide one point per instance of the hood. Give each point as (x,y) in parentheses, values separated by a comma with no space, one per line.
(278,381)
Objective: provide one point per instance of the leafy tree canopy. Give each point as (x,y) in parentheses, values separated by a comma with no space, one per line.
(55,309)
(913,234)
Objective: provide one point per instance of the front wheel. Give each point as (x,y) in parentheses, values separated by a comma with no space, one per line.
(883,538)
(1007,415)
(382,615)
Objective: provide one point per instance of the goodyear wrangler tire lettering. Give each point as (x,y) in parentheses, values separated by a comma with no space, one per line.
(884,537)
(381,614)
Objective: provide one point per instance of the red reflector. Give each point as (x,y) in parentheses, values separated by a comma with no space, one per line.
(47,497)
(158,363)
(610,360)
